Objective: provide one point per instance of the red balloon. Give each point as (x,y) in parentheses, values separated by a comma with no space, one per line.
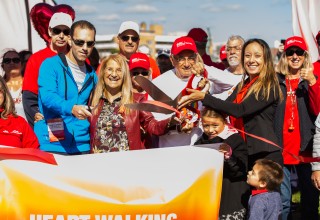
(41,14)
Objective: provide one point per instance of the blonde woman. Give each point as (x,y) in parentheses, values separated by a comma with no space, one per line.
(253,103)
(113,126)
(294,124)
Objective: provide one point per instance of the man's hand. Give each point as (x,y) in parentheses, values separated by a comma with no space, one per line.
(81,111)
(197,68)
(315,177)
(38,117)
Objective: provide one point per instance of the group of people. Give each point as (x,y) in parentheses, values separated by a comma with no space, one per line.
(263,118)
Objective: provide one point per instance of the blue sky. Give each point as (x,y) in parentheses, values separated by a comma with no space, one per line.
(267,19)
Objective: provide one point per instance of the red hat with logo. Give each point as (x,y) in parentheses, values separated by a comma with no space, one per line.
(198,34)
(183,43)
(295,41)
(139,60)
(223,53)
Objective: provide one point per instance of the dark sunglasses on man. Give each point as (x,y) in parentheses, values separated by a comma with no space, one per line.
(57,31)
(143,73)
(9,60)
(126,38)
(297,51)
(80,43)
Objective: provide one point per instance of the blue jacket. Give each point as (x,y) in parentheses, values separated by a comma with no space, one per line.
(58,93)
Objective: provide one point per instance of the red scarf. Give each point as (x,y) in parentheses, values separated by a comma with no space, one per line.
(238,122)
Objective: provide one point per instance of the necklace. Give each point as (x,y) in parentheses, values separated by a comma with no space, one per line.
(292,95)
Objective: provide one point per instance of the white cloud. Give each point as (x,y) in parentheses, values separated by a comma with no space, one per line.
(141,9)
(235,7)
(84,9)
(159,19)
(109,17)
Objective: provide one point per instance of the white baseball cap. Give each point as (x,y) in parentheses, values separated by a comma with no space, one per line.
(129,25)
(60,18)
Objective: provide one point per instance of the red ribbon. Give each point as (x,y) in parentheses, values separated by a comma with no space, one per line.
(27,154)
(300,158)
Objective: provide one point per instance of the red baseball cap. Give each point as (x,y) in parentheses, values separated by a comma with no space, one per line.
(198,34)
(139,60)
(295,41)
(183,43)
(223,53)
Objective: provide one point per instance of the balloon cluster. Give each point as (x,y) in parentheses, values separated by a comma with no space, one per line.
(41,14)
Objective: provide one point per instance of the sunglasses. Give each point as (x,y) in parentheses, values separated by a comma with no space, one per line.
(9,60)
(143,73)
(299,52)
(57,31)
(80,43)
(126,38)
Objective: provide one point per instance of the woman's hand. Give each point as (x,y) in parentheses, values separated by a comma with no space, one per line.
(307,74)
(195,95)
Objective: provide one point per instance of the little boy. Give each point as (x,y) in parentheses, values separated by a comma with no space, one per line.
(265,201)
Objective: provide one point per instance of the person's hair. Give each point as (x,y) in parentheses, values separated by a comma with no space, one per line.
(8,103)
(94,58)
(209,112)
(83,24)
(271,173)
(267,79)
(235,37)
(11,50)
(23,54)
(127,95)
(283,65)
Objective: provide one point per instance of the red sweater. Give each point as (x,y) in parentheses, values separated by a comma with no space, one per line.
(16,132)
(314,91)
(30,81)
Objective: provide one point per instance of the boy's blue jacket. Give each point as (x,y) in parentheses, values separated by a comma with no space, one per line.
(58,93)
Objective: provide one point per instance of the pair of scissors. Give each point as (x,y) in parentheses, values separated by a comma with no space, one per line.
(162,103)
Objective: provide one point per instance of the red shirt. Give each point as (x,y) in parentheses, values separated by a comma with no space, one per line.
(30,80)
(314,91)
(316,68)
(291,138)
(16,132)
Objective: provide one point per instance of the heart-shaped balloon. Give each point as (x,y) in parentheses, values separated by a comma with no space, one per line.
(41,14)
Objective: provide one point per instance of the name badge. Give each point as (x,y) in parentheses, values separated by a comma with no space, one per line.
(55,129)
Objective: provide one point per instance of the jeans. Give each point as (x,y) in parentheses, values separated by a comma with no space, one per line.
(309,199)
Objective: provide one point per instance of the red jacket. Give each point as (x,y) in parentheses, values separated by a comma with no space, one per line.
(133,121)
(16,132)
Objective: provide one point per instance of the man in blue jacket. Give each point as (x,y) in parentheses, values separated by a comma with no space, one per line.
(65,84)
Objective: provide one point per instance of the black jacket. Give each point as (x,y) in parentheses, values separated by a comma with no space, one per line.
(258,118)
(235,190)
(306,118)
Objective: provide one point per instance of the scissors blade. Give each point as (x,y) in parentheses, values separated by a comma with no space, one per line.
(149,108)
(152,90)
